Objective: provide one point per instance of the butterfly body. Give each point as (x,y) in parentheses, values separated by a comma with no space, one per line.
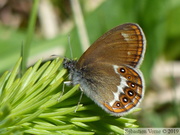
(108,71)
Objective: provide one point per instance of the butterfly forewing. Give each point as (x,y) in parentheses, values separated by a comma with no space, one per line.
(122,44)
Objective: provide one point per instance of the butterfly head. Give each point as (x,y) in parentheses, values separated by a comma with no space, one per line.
(69,64)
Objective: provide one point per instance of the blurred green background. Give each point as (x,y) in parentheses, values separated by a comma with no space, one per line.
(56,29)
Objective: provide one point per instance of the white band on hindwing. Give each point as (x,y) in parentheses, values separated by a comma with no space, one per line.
(120,88)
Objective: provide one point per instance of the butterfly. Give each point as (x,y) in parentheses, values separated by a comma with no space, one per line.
(108,71)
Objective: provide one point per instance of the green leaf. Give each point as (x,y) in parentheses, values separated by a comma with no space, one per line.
(35,104)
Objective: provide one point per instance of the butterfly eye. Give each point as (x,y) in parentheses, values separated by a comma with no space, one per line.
(130,93)
(122,70)
(132,85)
(129,77)
(118,104)
(125,99)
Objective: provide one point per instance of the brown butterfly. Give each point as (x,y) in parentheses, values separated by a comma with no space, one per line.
(108,71)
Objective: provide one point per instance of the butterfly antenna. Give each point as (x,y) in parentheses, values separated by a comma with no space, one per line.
(70,46)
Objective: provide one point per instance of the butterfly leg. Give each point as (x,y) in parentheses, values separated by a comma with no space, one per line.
(70,83)
(79,100)
(64,83)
